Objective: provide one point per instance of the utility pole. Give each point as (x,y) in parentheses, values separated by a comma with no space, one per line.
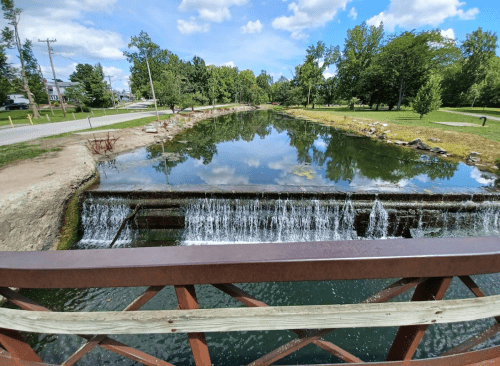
(61,101)
(152,88)
(112,94)
(46,89)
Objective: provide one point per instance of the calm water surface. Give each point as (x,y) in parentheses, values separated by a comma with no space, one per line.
(264,147)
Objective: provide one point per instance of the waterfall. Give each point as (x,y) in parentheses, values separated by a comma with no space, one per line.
(379,221)
(251,221)
(100,220)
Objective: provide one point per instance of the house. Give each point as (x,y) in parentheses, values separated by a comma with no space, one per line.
(63,85)
(16,98)
(124,97)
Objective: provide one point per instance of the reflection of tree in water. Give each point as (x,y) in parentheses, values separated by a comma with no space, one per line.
(344,156)
(107,165)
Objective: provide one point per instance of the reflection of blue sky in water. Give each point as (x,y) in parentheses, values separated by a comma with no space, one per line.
(269,160)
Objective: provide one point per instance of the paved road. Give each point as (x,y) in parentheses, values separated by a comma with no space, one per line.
(473,115)
(27,133)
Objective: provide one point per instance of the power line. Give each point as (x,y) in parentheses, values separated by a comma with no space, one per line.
(111,87)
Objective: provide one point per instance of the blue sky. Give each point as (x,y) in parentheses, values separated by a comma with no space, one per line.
(256,35)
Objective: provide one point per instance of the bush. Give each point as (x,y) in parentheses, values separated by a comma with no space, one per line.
(55,103)
(82,108)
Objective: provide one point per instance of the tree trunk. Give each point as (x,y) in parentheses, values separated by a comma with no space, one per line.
(172,107)
(376,108)
(401,93)
(23,74)
(308,94)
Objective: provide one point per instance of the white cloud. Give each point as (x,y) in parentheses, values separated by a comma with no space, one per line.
(65,21)
(62,73)
(191,26)
(328,73)
(229,64)
(413,14)
(449,33)
(308,14)
(252,27)
(353,13)
(481,178)
(209,10)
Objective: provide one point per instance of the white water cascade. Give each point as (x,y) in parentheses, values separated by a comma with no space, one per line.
(101,218)
(250,221)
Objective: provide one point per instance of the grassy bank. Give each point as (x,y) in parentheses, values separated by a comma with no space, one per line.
(406,126)
(71,219)
(13,153)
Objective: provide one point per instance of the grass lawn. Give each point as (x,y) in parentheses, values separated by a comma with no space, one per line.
(405,125)
(12,153)
(495,112)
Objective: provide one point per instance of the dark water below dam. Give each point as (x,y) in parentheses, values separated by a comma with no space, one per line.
(268,148)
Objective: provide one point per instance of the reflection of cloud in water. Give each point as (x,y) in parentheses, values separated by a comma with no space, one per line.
(197,162)
(480,177)
(424,178)
(252,162)
(289,179)
(222,175)
(284,164)
(362,183)
(320,145)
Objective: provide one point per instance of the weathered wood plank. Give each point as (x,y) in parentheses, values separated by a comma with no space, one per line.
(247,319)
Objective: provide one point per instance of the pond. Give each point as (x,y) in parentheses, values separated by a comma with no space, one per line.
(264,147)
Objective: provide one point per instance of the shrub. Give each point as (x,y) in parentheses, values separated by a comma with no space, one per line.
(82,108)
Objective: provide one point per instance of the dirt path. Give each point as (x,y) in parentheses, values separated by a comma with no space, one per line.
(472,114)
(34,193)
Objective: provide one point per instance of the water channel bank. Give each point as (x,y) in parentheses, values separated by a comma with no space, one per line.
(35,193)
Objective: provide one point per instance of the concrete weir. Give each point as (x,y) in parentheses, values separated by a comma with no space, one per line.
(347,215)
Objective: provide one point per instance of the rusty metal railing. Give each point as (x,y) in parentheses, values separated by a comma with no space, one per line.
(426,266)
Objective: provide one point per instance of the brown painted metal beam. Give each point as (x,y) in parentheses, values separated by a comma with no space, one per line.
(186,296)
(249,300)
(14,343)
(110,344)
(408,337)
(385,294)
(314,261)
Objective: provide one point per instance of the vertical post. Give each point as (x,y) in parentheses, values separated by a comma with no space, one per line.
(29,117)
(112,94)
(46,89)
(54,73)
(92,113)
(14,343)
(11,124)
(48,118)
(186,297)
(152,88)
(73,115)
(408,337)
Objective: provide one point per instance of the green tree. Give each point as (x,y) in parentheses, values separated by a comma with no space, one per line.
(9,36)
(264,81)
(362,44)
(428,98)
(35,80)
(93,89)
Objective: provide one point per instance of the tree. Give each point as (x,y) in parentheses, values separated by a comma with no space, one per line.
(9,36)
(310,75)
(35,80)
(407,60)
(478,49)
(362,44)
(428,98)
(329,90)
(264,81)
(6,74)
(93,89)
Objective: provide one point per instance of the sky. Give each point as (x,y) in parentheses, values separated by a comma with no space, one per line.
(256,35)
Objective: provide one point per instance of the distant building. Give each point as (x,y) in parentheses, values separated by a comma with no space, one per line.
(16,98)
(63,85)
(124,97)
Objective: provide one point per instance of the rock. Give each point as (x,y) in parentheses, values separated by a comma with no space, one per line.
(474,154)
(432,139)
(401,143)
(422,146)
(415,142)
(382,137)
(389,141)
(387,131)
(495,167)
(385,124)
(438,150)
(150,129)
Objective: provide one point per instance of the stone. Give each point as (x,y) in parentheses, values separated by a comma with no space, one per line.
(150,130)
(401,143)
(438,150)
(415,142)
(423,146)
(382,137)
(432,139)
(387,131)
(474,154)
(385,124)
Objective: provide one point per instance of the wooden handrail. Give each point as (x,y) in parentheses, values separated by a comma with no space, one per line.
(313,261)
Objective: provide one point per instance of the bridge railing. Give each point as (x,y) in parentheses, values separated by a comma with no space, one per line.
(424,266)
